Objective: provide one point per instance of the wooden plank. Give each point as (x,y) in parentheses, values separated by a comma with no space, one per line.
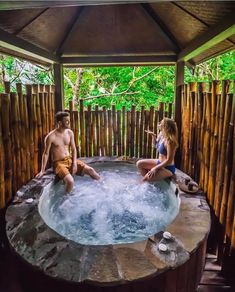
(105,131)
(123,129)
(97,123)
(137,136)
(19,45)
(214,35)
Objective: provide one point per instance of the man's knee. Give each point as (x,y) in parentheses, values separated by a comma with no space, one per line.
(68,179)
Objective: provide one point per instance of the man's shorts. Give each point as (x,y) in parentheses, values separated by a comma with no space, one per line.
(63,167)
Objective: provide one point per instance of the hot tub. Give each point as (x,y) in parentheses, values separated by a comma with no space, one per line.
(130,263)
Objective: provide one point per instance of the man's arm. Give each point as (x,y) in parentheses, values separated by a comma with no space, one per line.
(74,153)
(45,155)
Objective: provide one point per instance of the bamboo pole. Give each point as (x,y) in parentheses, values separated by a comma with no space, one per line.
(137,122)
(123,129)
(231,197)
(101,133)
(89,128)
(86,134)
(214,154)
(228,162)
(161,110)
(81,117)
(155,130)
(219,186)
(119,133)
(114,130)
(76,129)
(110,133)
(7,86)
(6,132)
(146,124)
(132,134)
(206,148)
(97,130)
(150,143)
(105,130)
(94,146)
(2,164)
(15,120)
(128,124)
(141,131)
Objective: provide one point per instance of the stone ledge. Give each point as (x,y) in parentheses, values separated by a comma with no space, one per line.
(107,265)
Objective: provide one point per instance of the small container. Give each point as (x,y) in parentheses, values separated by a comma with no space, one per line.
(29,201)
(162,247)
(167,235)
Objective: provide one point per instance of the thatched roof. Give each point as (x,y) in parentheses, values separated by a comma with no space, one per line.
(138,32)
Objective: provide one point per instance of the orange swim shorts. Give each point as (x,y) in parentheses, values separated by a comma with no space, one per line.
(63,167)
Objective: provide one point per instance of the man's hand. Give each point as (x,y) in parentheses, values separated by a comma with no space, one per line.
(150,174)
(40,174)
(74,168)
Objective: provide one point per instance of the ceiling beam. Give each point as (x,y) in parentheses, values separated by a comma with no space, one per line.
(210,38)
(13,5)
(167,35)
(69,33)
(12,42)
(118,60)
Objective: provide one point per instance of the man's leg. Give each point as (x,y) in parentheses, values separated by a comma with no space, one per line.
(91,172)
(69,182)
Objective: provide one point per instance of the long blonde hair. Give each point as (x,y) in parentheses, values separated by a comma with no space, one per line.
(170,131)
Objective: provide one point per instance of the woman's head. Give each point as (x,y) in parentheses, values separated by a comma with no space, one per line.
(169,130)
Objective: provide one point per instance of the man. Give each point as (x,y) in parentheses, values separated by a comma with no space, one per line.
(58,142)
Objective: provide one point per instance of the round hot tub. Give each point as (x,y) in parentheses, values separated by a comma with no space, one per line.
(119,208)
(108,233)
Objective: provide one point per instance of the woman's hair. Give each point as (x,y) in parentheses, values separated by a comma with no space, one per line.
(60,115)
(170,131)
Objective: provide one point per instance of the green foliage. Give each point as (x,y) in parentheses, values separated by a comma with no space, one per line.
(122,86)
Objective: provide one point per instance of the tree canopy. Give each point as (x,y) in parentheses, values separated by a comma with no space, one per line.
(117,85)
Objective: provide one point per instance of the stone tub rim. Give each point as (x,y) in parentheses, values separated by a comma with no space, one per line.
(106,265)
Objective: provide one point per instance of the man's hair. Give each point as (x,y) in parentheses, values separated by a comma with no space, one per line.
(60,115)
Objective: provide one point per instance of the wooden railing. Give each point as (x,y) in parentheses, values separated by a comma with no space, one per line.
(25,119)
(208,146)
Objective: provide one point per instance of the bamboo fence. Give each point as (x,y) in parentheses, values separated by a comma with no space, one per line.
(208,146)
(25,119)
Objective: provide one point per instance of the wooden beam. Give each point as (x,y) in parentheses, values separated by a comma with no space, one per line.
(179,81)
(17,44)
(119,60)
(167,35)
(59,87)
(69,32)
(11,5)
(210,38)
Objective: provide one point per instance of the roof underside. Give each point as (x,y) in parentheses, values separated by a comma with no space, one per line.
(121,33)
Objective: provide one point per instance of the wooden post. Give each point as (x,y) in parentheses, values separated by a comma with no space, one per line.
(59,87)
(179,80)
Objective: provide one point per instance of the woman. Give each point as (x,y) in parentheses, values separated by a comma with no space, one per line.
(166,143)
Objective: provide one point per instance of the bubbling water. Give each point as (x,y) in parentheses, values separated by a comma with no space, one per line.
(119,208)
